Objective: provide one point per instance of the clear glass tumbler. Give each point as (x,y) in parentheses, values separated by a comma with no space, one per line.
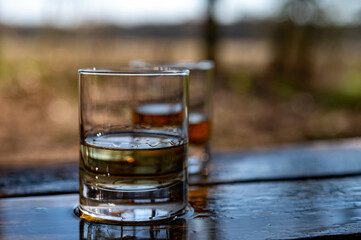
(200,110)
(133,167)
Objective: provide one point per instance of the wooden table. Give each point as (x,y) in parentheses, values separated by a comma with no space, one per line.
(303,191)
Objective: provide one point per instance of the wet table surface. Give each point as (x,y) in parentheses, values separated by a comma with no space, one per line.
(303,191)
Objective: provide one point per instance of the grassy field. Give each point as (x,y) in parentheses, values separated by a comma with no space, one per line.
(38,93)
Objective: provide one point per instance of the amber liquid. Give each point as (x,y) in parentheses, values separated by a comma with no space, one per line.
(199,129)
(158,115)
(133,176)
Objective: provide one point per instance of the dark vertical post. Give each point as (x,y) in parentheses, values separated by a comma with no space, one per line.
(211,32)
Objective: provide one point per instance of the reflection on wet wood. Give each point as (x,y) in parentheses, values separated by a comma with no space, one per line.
(314,161)
(270,210)
(176,229)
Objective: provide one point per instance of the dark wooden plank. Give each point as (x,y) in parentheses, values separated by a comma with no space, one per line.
(60,178)
(318,160)
(299,162)
(270,210)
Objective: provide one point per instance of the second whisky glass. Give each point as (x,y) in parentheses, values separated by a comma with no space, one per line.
(200,110)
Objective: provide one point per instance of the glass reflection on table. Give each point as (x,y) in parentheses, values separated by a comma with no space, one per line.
(175,229)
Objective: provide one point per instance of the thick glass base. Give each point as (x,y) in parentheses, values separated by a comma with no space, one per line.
(185,213)
(198,158)
(133,205)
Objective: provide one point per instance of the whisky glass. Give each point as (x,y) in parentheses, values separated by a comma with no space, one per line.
(200,110)
(133,167)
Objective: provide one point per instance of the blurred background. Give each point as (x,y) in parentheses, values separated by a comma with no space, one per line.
(286,70)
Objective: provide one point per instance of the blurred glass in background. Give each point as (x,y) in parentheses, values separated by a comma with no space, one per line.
(286,70)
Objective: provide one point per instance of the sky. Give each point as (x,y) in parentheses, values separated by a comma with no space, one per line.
(124,12)
(72,13)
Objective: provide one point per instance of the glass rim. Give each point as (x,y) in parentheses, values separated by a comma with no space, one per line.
(135,71)
(187,64)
